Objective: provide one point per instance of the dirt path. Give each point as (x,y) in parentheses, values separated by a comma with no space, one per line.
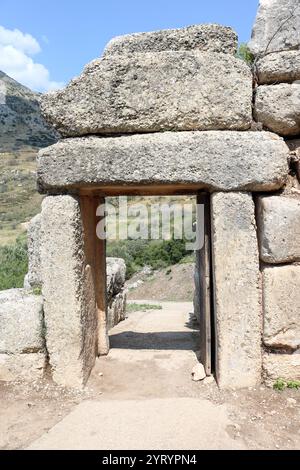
(141,396)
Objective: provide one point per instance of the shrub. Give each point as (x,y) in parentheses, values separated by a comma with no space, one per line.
(13,264)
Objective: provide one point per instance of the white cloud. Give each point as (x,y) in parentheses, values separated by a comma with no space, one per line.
(16,51)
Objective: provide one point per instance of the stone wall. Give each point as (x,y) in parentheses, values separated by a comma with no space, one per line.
(276,45)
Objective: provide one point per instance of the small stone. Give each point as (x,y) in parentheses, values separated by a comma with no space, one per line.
(209,380)
(198,373)
(291,401)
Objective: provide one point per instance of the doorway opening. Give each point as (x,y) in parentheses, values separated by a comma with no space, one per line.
(168,284)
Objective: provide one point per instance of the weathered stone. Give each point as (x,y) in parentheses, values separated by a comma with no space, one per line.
(68,290)
(34,279)
(203,37)
(278,220)
(27,367)
(281,366)
(277,26)
(294,146)
(237,292)
(116,310)
(198,373)
(21,322)
(210,160)
(115,276)
(281,302)
(277,107)
(279,67)
(153,92)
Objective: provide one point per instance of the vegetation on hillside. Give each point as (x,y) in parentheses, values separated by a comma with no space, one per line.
(13,264)
(138,253)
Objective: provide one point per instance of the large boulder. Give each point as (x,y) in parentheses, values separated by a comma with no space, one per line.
(237,290)
(25,367)
(21,322)
(279,67)
(116,309)
(151,92)
(281,304)
(115,275)
(277,26)
(203,37)
(278,220)
(277,107)
(68,290)
(281,366)
(215,160)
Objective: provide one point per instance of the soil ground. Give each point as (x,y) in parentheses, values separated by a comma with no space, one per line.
(141,396)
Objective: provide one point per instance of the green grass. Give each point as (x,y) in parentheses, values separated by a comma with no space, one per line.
(13,264)
(132,307)
(282,384)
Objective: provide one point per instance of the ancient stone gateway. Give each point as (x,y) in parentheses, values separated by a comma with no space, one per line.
(161,114)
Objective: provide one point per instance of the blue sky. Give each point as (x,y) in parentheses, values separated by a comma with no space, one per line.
(55,39)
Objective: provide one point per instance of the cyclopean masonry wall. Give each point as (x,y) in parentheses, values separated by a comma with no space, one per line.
(163,113)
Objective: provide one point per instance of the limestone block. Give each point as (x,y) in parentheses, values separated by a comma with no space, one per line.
(237,290)
(27,367)
(278,220)
(116,310)
(33,278)
(281,366)
(214,160)
(279,67)
(68,290)
(277,26)
(203,37)
(154,92)
(115,276)
(277,107)
(281,304)
(21,322)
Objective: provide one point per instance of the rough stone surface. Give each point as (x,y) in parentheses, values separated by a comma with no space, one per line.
(153,92)
(277,26)
(21,322)
(277,107)
(203,37)
(281,301)
(279,67)
(255,161)
(281,366)
(68,290)
(237,293)
(27,367)
(198,373)
(294,146)
(33,278)
(115,275)
(116,310)
(278,220)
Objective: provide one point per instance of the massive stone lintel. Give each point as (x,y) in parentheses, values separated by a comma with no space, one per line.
(277,26)
(202,37)
(154,92)
(237,290)
(213,160)
(68,290)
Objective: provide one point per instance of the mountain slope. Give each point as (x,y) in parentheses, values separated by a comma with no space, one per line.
(21,123)
(22,132)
